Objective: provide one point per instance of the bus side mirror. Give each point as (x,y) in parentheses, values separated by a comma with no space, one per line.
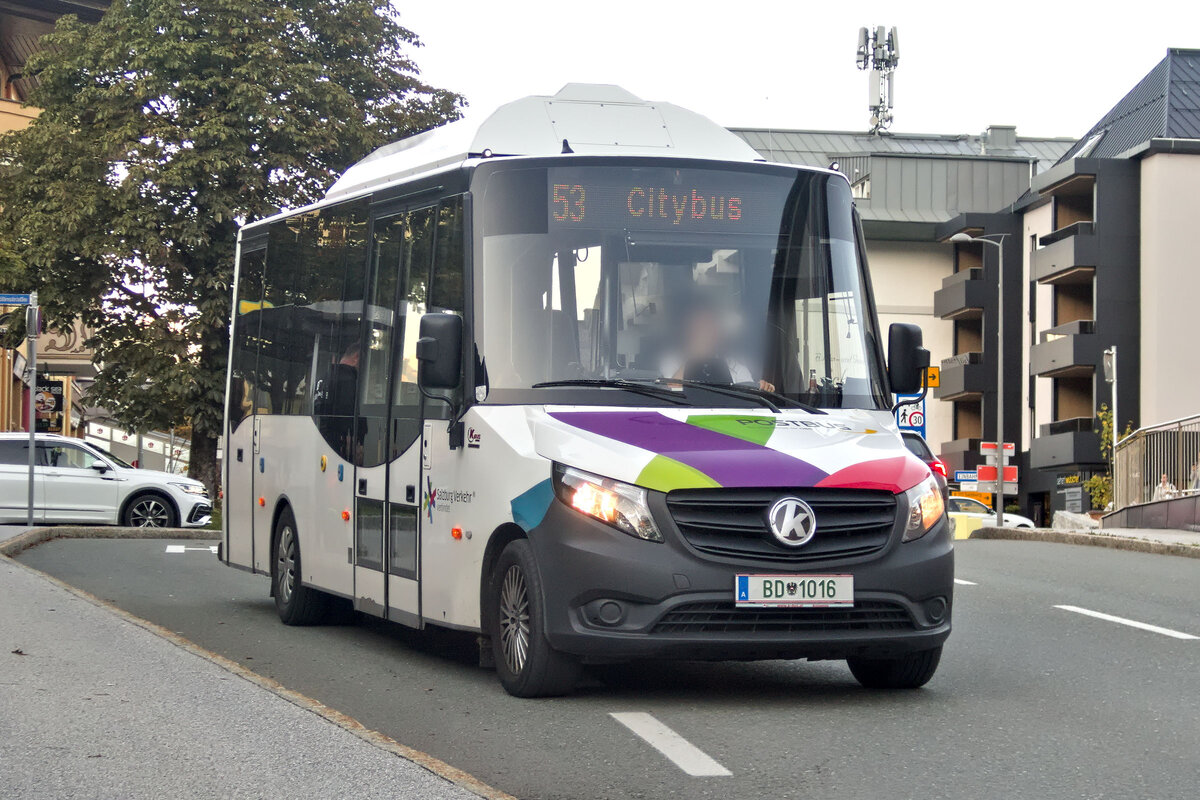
(907,359)
(439,352)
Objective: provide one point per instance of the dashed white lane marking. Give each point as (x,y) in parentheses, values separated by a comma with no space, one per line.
(1130,622)
(961,582)
(179,548)
(680,751)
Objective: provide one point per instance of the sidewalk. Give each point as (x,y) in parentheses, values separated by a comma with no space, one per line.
(1164,535)
(95,706)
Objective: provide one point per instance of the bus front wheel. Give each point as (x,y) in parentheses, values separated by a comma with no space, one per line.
(296,603)
(525,662)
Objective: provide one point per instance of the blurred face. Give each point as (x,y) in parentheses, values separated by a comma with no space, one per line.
(1164,477)
(703,333)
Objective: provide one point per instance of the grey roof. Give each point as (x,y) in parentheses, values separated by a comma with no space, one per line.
(1164,105)
(819,148)
(905,184)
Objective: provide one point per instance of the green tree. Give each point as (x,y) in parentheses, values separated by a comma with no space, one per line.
(1100,486)
(164,126)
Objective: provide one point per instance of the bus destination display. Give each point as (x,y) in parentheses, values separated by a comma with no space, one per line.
(692,200)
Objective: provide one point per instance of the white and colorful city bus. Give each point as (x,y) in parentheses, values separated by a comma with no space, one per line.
(590,380)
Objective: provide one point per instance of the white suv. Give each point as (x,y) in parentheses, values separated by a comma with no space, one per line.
(77,482)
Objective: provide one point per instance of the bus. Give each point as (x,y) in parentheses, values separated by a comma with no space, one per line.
(592,381)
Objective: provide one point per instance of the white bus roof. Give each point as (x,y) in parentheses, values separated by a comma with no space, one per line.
(593,119)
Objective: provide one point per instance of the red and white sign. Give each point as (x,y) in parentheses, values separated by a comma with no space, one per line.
(987,473)
(989,448)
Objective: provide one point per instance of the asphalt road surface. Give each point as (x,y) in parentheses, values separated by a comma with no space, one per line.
(1032,699)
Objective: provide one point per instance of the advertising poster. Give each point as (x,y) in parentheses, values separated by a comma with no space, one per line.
(48,400)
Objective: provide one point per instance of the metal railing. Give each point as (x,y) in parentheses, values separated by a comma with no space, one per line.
(1142,458)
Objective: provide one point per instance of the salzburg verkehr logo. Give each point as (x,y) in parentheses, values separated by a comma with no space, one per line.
(792,521)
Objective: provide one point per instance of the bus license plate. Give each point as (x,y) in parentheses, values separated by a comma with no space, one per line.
(805,591)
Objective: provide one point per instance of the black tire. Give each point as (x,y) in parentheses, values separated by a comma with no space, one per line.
(296,603)
(525,662)
(910,671)
(150,510)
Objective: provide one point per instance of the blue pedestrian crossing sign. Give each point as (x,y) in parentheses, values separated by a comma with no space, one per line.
(911,417)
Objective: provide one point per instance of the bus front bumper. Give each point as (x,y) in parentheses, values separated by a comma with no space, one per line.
(612,597)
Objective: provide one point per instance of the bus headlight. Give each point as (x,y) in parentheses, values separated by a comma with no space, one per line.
(925,508)
(618,504)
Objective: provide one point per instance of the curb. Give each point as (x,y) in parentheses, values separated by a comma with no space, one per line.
(1093,539)
(32,538)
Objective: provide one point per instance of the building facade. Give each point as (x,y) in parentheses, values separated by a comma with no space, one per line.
(907,187)
(64,364)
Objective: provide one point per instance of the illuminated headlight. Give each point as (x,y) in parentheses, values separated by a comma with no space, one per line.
(191,488)
(925,508)
(617,504)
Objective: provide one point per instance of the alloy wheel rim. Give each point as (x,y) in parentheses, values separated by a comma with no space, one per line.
(287,564)
(514,619)
(149,514)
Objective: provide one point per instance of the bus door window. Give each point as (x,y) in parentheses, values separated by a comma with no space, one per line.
(414,294)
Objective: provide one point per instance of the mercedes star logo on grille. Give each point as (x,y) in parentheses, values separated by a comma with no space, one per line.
(792,521)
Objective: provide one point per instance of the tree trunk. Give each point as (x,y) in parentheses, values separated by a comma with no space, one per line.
(203,464)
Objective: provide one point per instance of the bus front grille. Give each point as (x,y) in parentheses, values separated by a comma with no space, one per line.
(733,522)
(719,618)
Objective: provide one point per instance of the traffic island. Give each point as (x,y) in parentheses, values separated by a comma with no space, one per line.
(35,536)
(1159,542)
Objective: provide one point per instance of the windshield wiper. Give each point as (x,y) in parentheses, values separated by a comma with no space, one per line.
(767,398)
(647,389)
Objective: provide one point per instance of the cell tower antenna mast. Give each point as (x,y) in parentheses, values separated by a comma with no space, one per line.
(879,52)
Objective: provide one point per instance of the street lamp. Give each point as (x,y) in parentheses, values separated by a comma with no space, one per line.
(996,240)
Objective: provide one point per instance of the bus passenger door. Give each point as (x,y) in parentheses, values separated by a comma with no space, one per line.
(387,461)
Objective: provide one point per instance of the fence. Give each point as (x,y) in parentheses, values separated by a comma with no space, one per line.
(1143,457)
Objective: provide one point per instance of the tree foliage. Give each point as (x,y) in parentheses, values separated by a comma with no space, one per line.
(164,126)
(1100,486)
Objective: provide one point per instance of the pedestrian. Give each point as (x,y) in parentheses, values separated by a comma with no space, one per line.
(1194,485)
(1164,490)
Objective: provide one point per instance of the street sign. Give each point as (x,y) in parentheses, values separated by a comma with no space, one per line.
(968,475)
(933,377)
(987,479)
(989,449)
(14,299)
(983,497)
(911,417)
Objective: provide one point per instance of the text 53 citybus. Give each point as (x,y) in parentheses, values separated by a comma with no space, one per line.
(593,381)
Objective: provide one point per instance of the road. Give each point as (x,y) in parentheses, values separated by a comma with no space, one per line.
(1031,700)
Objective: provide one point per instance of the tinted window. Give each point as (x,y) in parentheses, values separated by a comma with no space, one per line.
(311,309)
(917,446)
(244,350)
(417,260)
(13,451)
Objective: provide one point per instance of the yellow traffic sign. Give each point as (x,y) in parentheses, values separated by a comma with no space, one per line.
(933,377)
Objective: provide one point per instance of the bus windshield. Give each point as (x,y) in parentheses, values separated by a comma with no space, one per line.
(641,272)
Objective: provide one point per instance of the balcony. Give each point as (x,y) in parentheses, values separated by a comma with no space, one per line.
(965,376)
(1065,351)
(1069,255)
(962,296)
(1066,443)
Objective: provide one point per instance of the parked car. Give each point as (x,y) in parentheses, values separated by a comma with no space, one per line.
(917,445)
(969,507)
(77,482)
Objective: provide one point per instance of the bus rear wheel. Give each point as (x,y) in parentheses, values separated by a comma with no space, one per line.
(296,603)
(525,662)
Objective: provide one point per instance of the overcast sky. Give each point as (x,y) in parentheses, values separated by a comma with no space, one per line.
(1050,68)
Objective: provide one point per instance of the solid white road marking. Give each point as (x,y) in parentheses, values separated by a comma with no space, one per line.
(1131,623)
(961,582)
(179,548)
(680,751)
